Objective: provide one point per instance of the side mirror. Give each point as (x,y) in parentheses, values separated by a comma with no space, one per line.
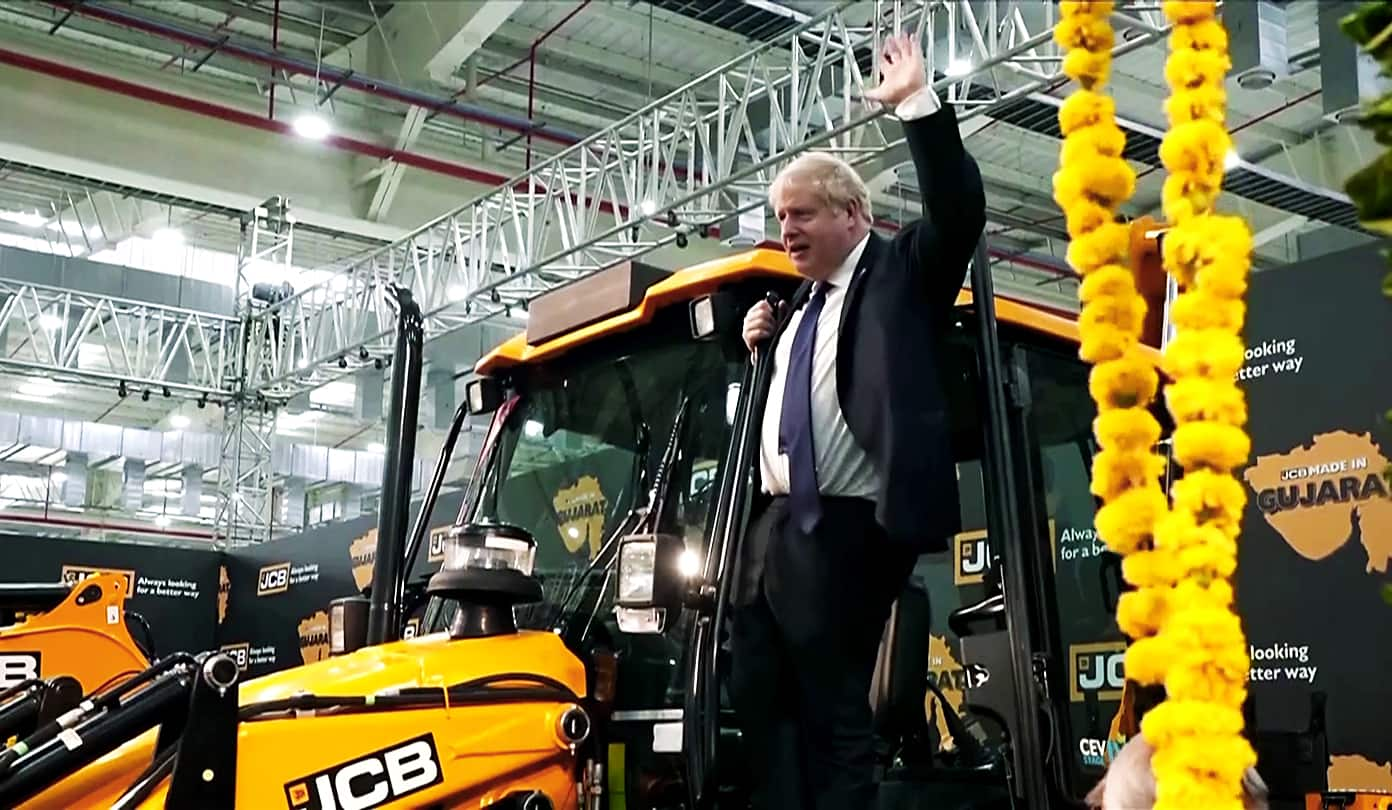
(655,575)
(347,624)
(719,317)
(483,395)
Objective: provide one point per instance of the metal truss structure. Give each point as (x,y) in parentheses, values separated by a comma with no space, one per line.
(246,494)
(130,345)
(699,156)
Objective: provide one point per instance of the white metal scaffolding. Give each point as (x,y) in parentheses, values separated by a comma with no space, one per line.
(246,494)
(699,156)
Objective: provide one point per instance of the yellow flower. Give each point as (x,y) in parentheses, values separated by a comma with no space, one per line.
(1103,343)
(1085,108)
(1187,12)
(1105,282)
(1190,69)
(1085,32)
(1108,181)
(1208,444)
(1211,354)
(1201,103)
(1116,471)
(1152,569)
(1109,245)
(1214,595)
(1184,196)
(1224,757)
(1124,383)
(1126,524)
(1086,8)
(1177,719)
(1124,313)
(1130,429)
(1105,139)
(1210,683)
(1206,35)
(1191,399)
(1085,217)
(1200,309)
(1212,559)
(1148,657)
(1197,147)
(1210,497)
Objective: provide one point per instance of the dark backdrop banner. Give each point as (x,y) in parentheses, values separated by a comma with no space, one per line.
(1317,535)
(278,593)
(172,587)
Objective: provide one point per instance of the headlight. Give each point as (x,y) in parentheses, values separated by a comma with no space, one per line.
(637,569)
(489,547)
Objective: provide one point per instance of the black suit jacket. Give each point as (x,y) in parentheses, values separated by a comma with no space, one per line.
(893,321)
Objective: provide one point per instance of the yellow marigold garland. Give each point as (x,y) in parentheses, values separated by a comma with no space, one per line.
(1092,181)
(1200,651)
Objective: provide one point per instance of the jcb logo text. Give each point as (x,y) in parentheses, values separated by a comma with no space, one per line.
(273,579)
(370,781)
(18,667)
(971,556)
(1097,669)
(241,653)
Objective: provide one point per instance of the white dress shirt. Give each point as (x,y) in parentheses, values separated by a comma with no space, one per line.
(843,468)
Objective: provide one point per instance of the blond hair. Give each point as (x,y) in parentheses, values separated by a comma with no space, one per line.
(836,184)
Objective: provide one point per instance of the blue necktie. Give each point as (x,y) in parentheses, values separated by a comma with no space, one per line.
(795,426)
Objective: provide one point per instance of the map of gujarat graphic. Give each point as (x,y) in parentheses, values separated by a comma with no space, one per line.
(1317,531)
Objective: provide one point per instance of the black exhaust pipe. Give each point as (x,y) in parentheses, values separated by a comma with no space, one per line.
(383,606)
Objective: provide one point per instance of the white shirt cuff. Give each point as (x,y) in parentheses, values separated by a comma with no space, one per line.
(923,103)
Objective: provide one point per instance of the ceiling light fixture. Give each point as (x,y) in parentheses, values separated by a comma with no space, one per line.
(959,67)
(178,421)
(376,447)
(50,322)
(1231,160)
(312,126)
(168,236)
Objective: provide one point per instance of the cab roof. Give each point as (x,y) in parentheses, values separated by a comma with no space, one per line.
(702,279)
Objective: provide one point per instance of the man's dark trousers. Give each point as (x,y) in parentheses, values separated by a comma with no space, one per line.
(809,615)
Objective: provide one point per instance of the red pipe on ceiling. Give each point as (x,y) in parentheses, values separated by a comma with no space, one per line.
(235,116)
(361,83)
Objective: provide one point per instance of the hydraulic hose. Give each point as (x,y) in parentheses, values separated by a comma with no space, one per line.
(94,705)
(79,746)
(432,494)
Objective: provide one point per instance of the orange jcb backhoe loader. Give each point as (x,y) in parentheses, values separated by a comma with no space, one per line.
(571,655)
(61,641)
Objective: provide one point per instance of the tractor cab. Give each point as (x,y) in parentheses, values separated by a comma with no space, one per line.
(622,445)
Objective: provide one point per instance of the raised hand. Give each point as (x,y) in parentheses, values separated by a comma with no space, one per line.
(901,72)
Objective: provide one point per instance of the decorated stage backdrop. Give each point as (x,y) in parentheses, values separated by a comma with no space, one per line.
(1317,535)
(275,613)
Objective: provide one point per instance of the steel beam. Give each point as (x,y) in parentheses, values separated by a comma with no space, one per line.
(687,161)
(104,340)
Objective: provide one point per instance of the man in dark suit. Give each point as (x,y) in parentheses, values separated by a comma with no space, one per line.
(856,469)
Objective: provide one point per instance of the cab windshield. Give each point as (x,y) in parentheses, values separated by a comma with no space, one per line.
(579,451)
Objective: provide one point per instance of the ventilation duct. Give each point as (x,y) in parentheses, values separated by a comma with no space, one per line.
(1257,43)
(1348,77)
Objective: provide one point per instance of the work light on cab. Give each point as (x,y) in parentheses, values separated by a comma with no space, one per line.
(487,570)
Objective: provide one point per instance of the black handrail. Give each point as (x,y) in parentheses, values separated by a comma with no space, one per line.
(1004,530)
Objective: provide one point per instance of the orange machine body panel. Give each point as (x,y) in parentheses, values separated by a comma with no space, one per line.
(703,279)
(482,752)
(84,637)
